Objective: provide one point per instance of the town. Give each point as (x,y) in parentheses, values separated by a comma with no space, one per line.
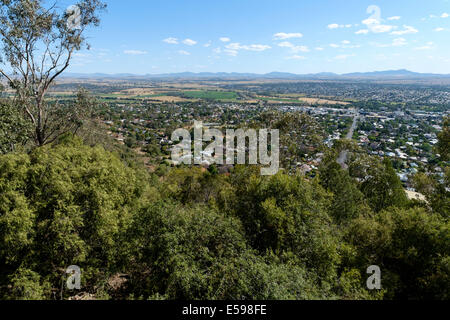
(404,132)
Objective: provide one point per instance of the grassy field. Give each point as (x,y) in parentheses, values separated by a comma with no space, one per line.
(210,95)
(173,95)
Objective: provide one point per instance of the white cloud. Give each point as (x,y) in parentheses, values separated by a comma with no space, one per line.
(284,36)
(231,52)
(445,15)
(394,18)
(285,44)
(233,48)
(225,39)
(370,21)
(399,42)
(333,26)
(381,28)
(375,26)
(207,45)
(406,30)
(336,26)
(135,52)
(300,49)
(439,29)
(81,55)
(294,48)
(362,31)
(184,53)
(189,42)
(319,48)
(256,47)
(171,40)
(345,45)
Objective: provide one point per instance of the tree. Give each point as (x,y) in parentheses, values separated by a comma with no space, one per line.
(199,253)
(437,191)
(443,146)
(382,187)
(287,215)
(14,128)
(27,285)
(38,45)
(66,204)
(300,134)
(410,246)
(347,197)
(16,217)
(424,184)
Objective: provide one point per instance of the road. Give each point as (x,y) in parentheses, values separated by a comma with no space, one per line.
(344,154)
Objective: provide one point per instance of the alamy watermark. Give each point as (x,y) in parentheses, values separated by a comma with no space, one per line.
(229,149)
(74,280)
(73,13)
(374,281)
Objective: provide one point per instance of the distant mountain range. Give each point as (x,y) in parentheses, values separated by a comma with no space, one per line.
(376,75)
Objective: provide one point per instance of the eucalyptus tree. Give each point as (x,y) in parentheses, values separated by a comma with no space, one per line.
(443,146)
(39,42)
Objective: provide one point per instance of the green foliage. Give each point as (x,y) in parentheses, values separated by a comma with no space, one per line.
(27,285)
(347,198)
(210,95)
(443,146)
(383,188)
(192,233)
(437,193)
(201,254)
(194,185)
(412,249)
(14,128)
(181,252)
(16,217)
(300,134)
(287,214)
(424,184)
(65,205)
(38,44)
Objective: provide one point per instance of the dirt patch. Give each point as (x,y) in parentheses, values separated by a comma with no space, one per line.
(322,101)
(169,99)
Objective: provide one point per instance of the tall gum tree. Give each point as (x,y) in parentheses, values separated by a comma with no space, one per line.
(38,42)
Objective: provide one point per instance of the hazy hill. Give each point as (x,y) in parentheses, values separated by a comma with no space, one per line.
(379,75)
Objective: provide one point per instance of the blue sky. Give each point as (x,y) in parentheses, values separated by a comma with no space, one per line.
(260,36)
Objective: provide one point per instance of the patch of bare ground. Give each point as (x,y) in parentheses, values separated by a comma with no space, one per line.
(116,284)
(118,281)
(169,99)
(137,91)
(83,296)
(322,101)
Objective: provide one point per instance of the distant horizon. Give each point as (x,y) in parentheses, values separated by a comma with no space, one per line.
(256,73)
(400,74)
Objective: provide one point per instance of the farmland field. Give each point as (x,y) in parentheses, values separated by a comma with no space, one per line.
(210,95)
